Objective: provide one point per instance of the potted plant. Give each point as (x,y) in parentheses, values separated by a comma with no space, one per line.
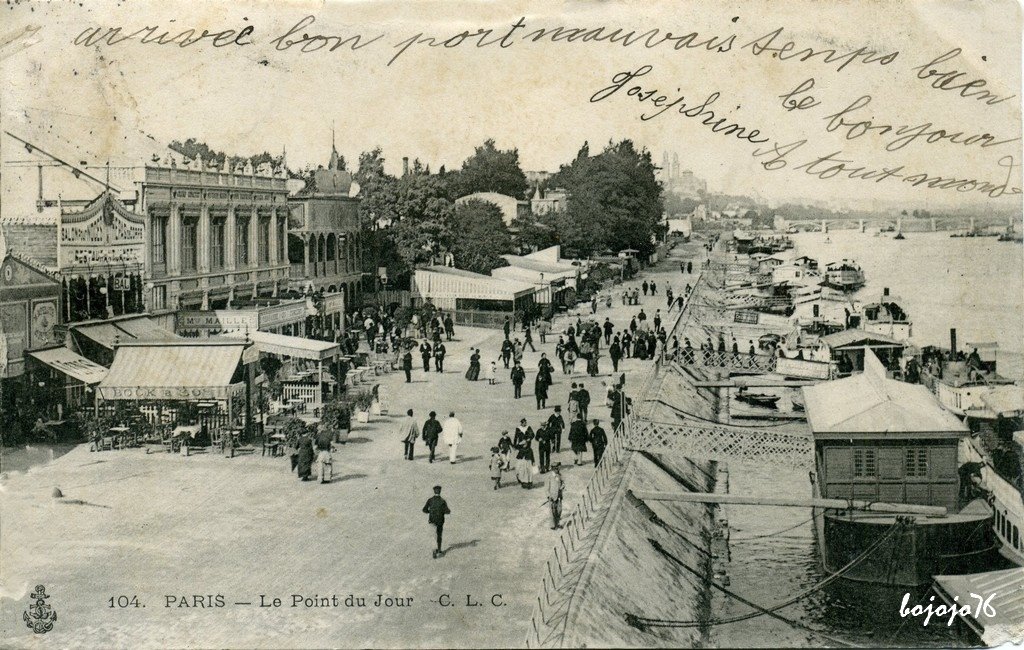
(362,401)
(337,419)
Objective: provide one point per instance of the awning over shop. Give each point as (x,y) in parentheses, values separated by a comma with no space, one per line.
(67,362)
(104,334)
(173,370)
(144,328)
(108,333)
(1006,623)
(290,346)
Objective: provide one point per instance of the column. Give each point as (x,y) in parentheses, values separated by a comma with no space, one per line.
(230,254)
(272,239)
(203,243)
(254,241)
(305,255)
(174,242)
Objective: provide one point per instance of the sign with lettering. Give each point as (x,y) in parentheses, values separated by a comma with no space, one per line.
(283,314)
(223,320)
(334,303)
(190,393)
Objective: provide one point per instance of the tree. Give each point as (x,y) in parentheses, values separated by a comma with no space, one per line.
(616,201)
(533,232)
(491,170)
(482,236)
(423,209)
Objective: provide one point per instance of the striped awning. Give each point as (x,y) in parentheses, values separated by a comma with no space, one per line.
(173,370)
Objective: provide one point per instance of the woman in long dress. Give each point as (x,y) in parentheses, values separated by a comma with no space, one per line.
(578,435)
(524,464)
(305,465)
(474,366)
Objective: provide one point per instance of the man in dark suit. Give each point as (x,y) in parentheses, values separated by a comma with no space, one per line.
(426,352)
(431,433)
(598,441)
(583,397)
(507,327)
(543,448)
(436,509)
(555,426)
(439,352)
(407,366)
(518,376)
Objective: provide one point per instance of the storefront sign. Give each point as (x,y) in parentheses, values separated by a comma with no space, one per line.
(224,320)
(284,314)
(166,392)
(334,303)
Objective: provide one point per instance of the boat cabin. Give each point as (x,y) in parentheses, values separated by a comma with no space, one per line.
(885,316)
(849,350)
(845,275)
(879,439)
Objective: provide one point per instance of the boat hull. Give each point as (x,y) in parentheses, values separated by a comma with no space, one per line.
(1008,524)
(918,550)
(909,557)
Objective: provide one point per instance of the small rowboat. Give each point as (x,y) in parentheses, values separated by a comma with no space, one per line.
(757,399)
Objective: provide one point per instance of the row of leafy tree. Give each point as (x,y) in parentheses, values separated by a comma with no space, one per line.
(615,203)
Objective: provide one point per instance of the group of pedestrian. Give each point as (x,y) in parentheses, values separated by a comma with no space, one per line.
(310,449)
(450,432)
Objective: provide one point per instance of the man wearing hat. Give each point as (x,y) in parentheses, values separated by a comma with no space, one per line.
(555,426)
(436,508)
(555,485)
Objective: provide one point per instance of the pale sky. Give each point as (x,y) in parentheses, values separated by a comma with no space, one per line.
(437,103)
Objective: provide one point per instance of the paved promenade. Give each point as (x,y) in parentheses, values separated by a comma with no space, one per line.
(169,529)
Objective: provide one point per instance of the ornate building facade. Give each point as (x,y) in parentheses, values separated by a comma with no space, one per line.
(215,238)
(325,246)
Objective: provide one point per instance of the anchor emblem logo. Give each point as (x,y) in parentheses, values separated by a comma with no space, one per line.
(40,616)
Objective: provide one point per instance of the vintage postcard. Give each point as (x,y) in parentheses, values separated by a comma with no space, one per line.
(432,324)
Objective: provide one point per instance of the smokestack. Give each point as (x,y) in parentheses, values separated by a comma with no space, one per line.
(405,165)
(952,340)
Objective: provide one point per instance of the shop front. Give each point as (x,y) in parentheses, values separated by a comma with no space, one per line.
(180,387)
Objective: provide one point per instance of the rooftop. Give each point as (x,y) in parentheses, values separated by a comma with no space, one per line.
(870,402)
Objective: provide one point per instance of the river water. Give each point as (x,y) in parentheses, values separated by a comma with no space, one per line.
(973,284)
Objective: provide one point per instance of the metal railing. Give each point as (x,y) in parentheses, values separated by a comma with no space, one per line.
(565,566)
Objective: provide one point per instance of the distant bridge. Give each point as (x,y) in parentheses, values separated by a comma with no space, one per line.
(898,223)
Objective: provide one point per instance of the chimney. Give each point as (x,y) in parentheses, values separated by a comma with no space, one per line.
(405,165)
(952,340)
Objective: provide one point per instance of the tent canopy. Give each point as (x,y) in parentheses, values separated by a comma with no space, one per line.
(290,346)
(173,370)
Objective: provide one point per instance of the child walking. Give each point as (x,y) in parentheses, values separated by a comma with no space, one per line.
(497,462)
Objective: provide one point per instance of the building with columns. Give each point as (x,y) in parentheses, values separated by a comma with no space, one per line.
(325,246)
(215,238)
